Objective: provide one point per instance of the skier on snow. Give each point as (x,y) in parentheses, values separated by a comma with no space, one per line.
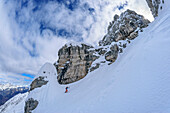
(66,89)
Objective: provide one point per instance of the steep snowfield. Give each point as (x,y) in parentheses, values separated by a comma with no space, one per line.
(138,82)
(47,95)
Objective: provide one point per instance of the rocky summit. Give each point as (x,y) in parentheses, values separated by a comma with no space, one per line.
(125,26)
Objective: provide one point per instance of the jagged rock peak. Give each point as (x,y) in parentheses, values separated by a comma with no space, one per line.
(154,6)
(74,62)
(125,26)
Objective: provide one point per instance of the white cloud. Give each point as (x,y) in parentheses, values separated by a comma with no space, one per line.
(24,47)
(141,7)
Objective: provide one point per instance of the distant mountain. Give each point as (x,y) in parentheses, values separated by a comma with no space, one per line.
(11,104)
(7,91)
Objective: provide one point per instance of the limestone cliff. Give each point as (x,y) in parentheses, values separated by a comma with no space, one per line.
(74,62)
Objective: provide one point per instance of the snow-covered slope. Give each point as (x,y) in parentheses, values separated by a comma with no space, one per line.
(138,82)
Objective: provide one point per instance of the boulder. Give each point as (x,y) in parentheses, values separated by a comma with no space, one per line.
(112,55)
(30,105)
(123,27)
(38,82)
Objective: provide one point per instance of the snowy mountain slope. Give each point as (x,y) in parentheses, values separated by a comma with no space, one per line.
(138,82)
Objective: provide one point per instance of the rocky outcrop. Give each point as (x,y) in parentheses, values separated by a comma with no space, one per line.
(38,82)
(30,105)
(112,54)
(94,67)
(74,62)
(154,6)
(120,31)
(125,26)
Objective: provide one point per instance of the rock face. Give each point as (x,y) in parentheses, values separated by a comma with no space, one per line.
(38,82)
(123,27)
(30,105)
(154,6)
(74,62)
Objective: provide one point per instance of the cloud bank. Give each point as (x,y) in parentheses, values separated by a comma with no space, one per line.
(32,31)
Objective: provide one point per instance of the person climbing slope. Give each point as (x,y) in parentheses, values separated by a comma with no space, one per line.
(66,89)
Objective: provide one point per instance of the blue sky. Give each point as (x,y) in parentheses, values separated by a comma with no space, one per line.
(121,6)
(32,31)
(28,75)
